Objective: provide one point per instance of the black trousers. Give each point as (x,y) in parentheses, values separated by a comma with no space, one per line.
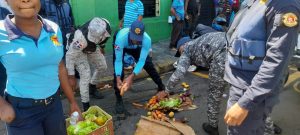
(191,24)
(149,67)
(3,79)
(177,31)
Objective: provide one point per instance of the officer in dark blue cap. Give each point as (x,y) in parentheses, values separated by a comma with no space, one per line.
(137,43)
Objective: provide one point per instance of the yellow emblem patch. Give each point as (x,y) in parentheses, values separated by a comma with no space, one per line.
(55,41)
(263,1)
(137,31)
(290,19)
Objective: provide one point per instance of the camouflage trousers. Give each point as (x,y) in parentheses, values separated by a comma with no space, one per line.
(83,64)
(216,88)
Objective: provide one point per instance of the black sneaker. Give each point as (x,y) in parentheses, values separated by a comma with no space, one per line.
(95,92)
(277,129)
(86,106)
(121,111)
(210,129)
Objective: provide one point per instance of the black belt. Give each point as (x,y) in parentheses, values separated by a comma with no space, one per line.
(35,102)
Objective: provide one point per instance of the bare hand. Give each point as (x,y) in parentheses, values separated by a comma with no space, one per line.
(187,17)
(177,18)
(127,84)
(102,51)
(119,83)
(7,113)
(72,81)
(162,94)
(121,25)
(235,115)
(75,108)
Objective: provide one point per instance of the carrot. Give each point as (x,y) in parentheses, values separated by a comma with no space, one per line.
(154,116)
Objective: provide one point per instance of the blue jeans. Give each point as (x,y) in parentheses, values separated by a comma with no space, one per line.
(37,119)
(2,79)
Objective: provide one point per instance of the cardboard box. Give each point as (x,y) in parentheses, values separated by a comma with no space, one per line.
(106,129)
(148,126)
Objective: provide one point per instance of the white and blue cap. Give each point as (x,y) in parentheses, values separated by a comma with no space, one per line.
(137,30)
(97,30)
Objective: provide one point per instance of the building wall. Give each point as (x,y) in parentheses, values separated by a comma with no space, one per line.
(157,27)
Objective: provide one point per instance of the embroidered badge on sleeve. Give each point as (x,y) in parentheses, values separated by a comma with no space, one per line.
(290,20)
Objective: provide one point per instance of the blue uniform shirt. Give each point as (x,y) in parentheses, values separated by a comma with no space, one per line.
(271,34)
(122,42)
(31,64)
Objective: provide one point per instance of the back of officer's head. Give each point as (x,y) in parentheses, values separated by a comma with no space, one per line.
(181,42)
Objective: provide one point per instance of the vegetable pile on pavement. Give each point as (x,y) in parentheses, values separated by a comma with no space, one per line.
(159,108)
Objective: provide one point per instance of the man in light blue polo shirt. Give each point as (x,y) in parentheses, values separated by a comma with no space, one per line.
(137,43)
(134,10)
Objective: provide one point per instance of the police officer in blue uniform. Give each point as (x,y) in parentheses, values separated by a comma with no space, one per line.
(137,43)
(259,51)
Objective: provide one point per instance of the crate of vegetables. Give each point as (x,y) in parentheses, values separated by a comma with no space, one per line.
(96,122)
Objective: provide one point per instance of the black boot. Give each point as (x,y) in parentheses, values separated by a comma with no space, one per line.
(86,106)
(120,110)
(277,129)
(210,129)
(95,92)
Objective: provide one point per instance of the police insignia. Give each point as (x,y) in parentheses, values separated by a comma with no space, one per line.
(137,31)
(263,1)
(290,19)
(55,41)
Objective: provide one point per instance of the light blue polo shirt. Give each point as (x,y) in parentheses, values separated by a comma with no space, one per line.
(31,64)
(122,42)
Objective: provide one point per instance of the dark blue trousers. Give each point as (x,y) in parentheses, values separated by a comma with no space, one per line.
(37,119)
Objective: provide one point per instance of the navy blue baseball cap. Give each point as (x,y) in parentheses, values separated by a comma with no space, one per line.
(137,30)
(180,43)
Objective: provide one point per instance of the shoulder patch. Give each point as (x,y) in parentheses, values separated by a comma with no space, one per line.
(290,20)
(263,1)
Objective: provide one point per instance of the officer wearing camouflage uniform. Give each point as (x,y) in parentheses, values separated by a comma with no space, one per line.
(208,50)
(83,52)
(258,57)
